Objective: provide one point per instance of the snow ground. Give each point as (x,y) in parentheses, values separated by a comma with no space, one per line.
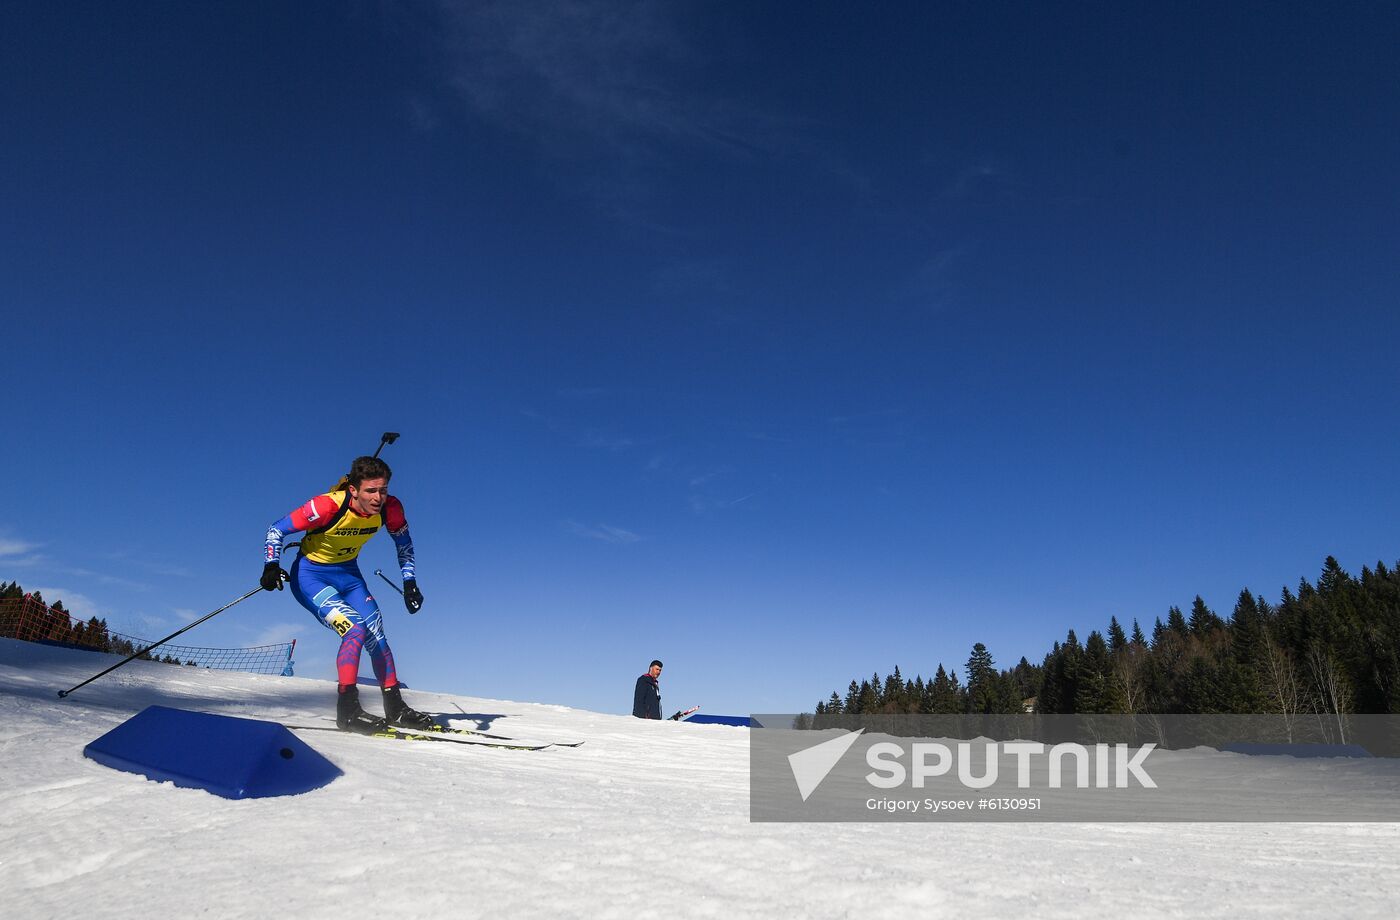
(645,818)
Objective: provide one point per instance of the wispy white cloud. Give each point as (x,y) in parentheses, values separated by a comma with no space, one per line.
(592,438)
(769,437)
(16,552)
(708,291)
(603,532)
(605,440)
(615,90)
(708,504)
(711,277)
(79,605)
(985,180)
(877,429)
(154,566)
(168,570)
(149,625)
(278,633)
(620,74)
(102,578)
(860,418)
(311,662)
(9,546)
(933,282)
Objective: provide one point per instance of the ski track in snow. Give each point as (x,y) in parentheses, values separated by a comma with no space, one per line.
(645,818)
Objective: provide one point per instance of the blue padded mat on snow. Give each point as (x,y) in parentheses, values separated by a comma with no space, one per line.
(230,757)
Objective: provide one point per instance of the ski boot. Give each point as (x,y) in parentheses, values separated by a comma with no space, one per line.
(398,713)
(350,717)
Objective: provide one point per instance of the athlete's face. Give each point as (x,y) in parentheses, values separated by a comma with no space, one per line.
(369,497)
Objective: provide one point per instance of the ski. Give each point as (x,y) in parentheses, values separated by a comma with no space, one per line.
(403,734)
(439,729)
(447,716)
(685,712)
(481,734)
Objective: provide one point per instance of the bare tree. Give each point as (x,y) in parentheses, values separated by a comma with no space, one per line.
(1281,687)
(1126,676)
(1334,694)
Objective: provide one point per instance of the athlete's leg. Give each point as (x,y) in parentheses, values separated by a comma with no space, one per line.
(398,712)
(319,589)
(381,657)
(339,599)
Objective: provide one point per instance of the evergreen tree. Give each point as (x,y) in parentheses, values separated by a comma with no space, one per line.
(1203,620)
(1327,650)
(868,701)
(981,672)
(1159,632)
(1092,694)
(957,694)
(917,694)
(946,696)
(1050,695)
(892,697)
(1138,638)
(1333,580)
(1071,673)
(1027,678)
(1248,642)
(1117,639)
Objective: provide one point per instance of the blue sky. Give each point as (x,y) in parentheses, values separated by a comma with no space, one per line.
(782,342)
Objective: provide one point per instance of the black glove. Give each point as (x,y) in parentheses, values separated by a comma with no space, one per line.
(412,597)
(273,576)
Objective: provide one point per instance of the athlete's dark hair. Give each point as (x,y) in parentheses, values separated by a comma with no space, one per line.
(367,468)
(657,664)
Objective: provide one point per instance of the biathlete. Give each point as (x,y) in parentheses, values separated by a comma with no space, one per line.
(325,579)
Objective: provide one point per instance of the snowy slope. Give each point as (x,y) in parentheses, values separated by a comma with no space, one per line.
(644,819)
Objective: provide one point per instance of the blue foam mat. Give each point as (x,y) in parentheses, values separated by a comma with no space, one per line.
(701,718)
(230,757)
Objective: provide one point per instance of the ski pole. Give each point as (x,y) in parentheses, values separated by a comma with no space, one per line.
(391,584)
(134,655)
(388,437)
(381,574)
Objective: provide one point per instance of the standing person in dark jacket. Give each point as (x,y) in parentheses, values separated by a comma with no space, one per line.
(646,701)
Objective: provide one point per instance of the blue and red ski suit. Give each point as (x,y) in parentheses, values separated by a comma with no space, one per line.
(326,577)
